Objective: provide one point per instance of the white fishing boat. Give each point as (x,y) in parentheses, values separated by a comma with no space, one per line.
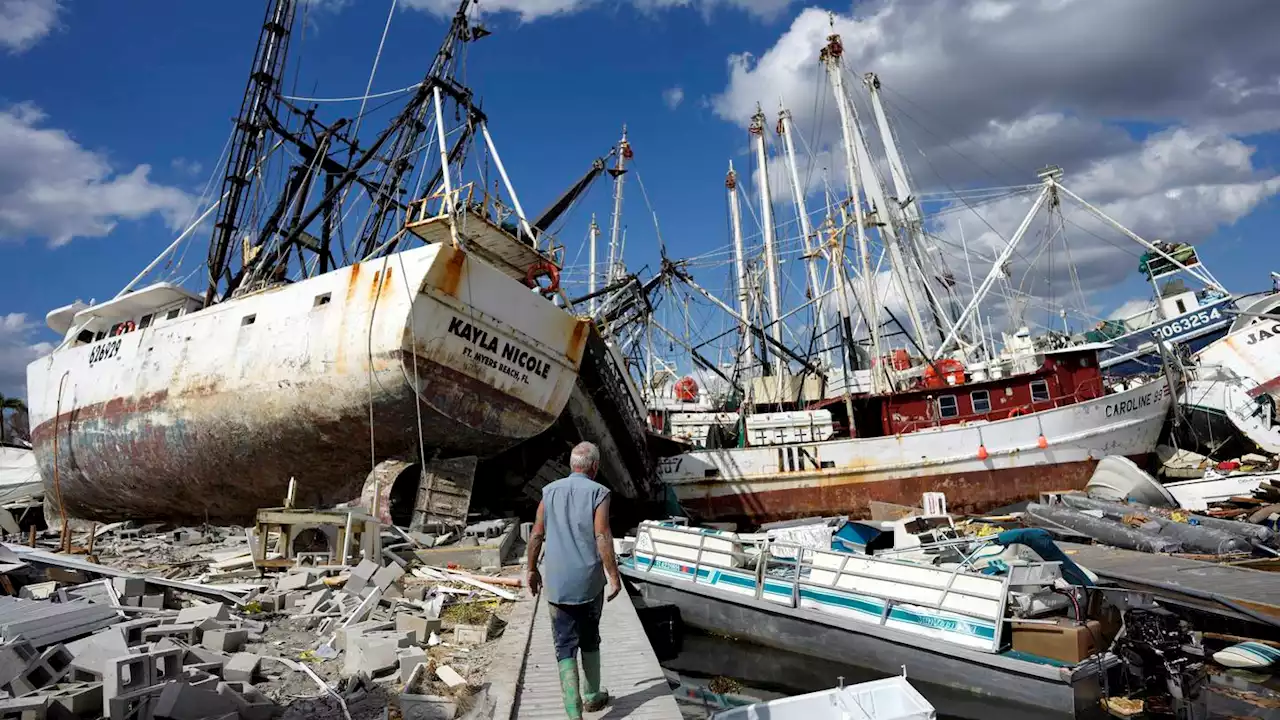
(306,360)
(892,698)
(952,411)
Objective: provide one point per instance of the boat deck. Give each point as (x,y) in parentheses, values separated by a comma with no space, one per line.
(1193,583)
(629,669)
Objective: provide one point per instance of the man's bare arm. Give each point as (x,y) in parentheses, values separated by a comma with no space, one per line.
(536,537)
(604,545)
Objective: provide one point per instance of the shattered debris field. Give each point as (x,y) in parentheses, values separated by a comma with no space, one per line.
(303,616)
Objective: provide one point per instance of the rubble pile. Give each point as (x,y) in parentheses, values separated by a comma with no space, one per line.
(266,622)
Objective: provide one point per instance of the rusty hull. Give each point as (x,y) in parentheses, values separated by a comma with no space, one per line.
(967,493)
(224,456)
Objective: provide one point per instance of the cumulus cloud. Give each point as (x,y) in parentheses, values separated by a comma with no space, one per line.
(52,187)
(1149,107)
(24,23)
(16,351)
(672,97)
(530,10)
(185,166)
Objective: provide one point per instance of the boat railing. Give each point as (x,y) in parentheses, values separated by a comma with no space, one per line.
(437,205)
(981,597)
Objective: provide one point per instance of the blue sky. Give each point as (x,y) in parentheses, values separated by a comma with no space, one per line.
(117,112)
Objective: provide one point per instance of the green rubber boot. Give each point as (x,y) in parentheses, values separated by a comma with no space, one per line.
(569,689)
(595,696)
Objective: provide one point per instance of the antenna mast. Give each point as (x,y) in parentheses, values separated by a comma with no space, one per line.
(806,229)
(744,310)
(615,241)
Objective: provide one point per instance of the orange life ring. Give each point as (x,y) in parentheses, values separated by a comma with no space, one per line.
(540,269)
(1017,412)
(128,327)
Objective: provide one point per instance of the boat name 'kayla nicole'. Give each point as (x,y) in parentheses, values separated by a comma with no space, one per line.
(518,356)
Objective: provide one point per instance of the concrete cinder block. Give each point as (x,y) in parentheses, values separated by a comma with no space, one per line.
(179,701)
(471,634)
(241,667)
(420,626)
(386,576)
(131,630)
(186,632)
(125,675)
(129,586)
(166,665)
(136,705)
(371,654)
(343,637)
(199,655)
(15,655)
(409,659)
(298,580)
(155,601)
(197,614)
(80,699)
(228,641)
(313,601)
(250,704)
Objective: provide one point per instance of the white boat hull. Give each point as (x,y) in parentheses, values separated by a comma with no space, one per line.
(211,414)
(844,476)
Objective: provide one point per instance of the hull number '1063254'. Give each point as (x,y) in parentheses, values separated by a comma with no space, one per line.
(106,350)
(1124,407)
(513,360)
(1174,328)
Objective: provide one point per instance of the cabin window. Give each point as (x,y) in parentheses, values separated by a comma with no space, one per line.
(1084,362)
(322,299)
(1039,391)
(85,336)
(1182,306)
(981,401)
(145,322)
(172,313)
(101,334)
(248,319)
(948,407)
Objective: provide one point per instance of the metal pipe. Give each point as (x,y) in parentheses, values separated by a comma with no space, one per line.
(506,181)
(806,228)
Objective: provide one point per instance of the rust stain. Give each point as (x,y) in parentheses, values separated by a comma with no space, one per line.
(967,493)
(352,281)
(577,341)
(453,273)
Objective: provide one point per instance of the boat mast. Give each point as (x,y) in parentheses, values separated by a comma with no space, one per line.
(830,57)
(248,141)
(766,221)
(744,310)
(593,235)
(907,204)
(618,172)
(806,230)
(887,226)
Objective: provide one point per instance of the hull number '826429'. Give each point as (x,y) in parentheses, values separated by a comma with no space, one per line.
(106,350)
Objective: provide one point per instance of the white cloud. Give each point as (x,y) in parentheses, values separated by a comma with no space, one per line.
(16,351)
(530,10)
(52,187)
(24,23)
(672,97)
(185,166)
(984,92)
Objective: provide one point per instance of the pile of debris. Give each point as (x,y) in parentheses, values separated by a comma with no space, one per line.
(312,613)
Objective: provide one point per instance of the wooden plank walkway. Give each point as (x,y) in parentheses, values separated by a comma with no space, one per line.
(1188,582)
(629,670)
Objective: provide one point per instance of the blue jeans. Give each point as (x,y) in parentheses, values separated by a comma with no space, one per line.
(575,627)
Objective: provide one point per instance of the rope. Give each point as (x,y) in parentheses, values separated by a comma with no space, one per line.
(353,98)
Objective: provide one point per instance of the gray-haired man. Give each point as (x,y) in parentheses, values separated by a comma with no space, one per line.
(573,519)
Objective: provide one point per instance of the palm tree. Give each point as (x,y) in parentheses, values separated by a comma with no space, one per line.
(6,404)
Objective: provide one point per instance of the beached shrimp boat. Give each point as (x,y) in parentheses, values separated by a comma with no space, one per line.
(302,359)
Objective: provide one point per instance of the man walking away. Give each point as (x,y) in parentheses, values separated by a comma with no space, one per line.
(573,521)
